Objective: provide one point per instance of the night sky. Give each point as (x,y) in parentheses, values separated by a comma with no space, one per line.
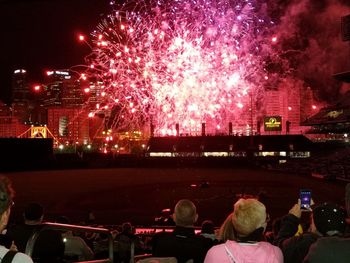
(42,34)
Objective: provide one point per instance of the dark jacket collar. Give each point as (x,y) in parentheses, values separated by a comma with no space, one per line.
(184,231)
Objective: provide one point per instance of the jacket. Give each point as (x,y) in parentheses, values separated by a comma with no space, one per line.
(329,249)
(294,248)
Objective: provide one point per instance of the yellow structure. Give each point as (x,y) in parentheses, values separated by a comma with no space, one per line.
(38,132)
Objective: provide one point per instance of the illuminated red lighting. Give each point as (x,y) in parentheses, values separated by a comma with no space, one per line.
(83,76)
(274,39)
(87,90)
(289,108)
(81,37)
(37,88)
(314,107)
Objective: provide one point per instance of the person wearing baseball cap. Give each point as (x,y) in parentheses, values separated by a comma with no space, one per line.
(327,220)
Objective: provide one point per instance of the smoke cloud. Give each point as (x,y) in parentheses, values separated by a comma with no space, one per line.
(310,37)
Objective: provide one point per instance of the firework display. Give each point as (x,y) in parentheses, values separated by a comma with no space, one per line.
(184,62)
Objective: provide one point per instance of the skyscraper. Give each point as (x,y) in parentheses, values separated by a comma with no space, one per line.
(20,87)
(64,103)
(20,95)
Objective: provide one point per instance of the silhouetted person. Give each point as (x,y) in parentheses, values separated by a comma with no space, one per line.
(327,220)
(124,240)
(182,243)
(33,217)
(208,229)
(49,246)
(6,202)
(333,246)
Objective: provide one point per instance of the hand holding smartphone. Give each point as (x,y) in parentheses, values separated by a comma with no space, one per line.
(305,199)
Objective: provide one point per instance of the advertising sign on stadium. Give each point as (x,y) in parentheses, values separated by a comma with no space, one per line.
(273,123)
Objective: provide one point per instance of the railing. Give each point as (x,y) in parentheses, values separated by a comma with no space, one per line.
(65,227)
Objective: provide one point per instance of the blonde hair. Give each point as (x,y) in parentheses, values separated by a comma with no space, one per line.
(226,231)
(248,215)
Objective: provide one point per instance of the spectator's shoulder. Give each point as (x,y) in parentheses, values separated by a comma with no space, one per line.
(290,218)
(217,247)
(308,236)
(22,258)
(205,240)
(304,240)
(325,242)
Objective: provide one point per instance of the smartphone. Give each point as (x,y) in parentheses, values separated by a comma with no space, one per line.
(305,199)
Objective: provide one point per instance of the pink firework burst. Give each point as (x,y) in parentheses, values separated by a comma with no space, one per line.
(184,62)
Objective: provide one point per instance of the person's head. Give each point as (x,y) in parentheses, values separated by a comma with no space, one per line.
(90,218)
(207,227)
(328,219)
(248,216)
(185,213)
(34,213)
(6,201)
(127,228)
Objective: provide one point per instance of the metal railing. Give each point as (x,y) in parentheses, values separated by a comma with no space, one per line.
(75,228)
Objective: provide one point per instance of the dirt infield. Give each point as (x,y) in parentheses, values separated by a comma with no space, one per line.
(138,195)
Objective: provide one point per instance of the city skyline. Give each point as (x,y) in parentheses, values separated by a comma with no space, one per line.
(174,68)
(42,35)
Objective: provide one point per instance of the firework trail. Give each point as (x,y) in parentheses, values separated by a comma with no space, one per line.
(182,61)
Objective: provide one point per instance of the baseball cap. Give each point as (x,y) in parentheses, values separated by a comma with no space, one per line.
(329,217)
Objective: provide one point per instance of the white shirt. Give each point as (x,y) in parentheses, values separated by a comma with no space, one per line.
(18,258)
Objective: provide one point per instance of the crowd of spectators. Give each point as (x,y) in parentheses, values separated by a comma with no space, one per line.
(321,234)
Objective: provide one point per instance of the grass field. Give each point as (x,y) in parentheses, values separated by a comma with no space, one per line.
(138,195)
